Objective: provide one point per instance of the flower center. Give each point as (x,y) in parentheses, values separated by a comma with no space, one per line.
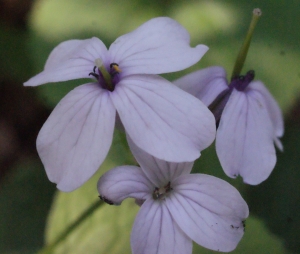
(241,82)
(160,193)
(106,79)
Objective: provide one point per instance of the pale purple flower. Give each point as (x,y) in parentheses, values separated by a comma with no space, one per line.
(160,118)
(250,121)
(176,207)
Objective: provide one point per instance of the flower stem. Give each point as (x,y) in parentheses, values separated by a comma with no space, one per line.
(239,63)
(50,248)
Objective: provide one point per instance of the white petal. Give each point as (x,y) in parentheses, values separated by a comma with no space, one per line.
(273,109)
(158,171)
(154,231)
(124,182)
(244,141)
(209,210)
(71,59)
(163,120)
(205,84)
(76,138)
(158,46)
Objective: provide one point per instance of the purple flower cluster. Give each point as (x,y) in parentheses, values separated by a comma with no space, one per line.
(167,126)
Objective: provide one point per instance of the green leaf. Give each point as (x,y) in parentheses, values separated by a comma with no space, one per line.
(107,230)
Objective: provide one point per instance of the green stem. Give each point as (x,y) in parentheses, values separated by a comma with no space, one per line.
(49,248)
(240,60)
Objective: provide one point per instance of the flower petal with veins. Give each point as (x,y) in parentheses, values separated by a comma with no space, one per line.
(160,45)
(158,171)
(205,84)
(124,182)
(76,137)
(244,142)
(154,231)
(163,120)
(71,59)
(209,210)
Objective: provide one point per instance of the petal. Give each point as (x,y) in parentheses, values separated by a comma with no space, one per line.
(205,84)
(209,210)
(76,138)
(71,59)
(124,182)
(244,141)
(163,120)
(158,46)
(158,171)
(154,231)
(273,109)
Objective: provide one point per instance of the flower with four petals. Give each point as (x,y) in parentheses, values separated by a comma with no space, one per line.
(160,118)
(176,207)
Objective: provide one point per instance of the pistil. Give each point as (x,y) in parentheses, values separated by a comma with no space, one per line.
(240,60)
(105,74)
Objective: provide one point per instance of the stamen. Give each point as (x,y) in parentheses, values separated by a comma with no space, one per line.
(240,60)
(115,67)
(94,74)
(160,193)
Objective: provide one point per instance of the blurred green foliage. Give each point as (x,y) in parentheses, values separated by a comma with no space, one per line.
(26,194)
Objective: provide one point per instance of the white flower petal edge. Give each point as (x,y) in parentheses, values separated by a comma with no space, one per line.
(209,210)
(158,46)
(76,138)
(205,84)
(124,182)
(273,109)
(154,231)
(71,59)
(244,141)
(158,171)
(162,119)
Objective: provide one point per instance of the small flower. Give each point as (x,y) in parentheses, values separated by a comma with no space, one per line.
(160,118)
(176,207)
(250,121)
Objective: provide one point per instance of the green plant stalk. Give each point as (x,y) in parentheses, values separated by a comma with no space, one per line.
(49,248)
(240,60)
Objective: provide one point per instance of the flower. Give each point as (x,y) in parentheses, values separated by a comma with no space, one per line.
(250,121)
(176,207)
(160,118)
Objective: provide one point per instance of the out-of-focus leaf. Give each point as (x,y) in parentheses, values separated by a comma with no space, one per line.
(107,230)
(257,239)
(112,18)
(206,19)
(25,198)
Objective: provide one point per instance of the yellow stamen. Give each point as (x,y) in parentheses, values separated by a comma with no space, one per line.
(116,68)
